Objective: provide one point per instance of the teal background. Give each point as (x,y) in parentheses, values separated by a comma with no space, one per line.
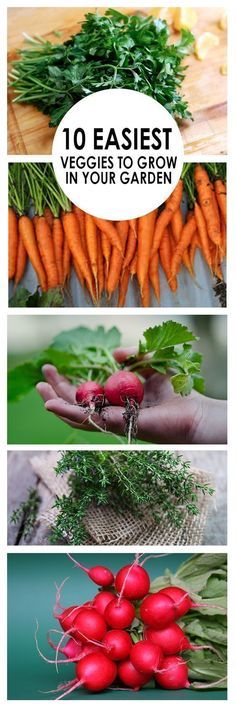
(31,595)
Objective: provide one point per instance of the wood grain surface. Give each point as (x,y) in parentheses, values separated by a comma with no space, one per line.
(204,86)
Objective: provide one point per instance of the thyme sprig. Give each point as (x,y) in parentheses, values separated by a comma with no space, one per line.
(159,483)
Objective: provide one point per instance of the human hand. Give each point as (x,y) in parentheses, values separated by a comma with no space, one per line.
(164,416)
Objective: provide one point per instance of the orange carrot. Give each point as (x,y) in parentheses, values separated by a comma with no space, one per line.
(123,287)
(46,250)
(21,261)
(72,234)
(133,265)
(192,249)
(26,231)
(66,262)
(106,250)
(203,235)
(12,242)
(101,274)
(48,216)
(176,228)
(186,236)
(92,246)
(133,225)
(116,260)
(35,220)
(109,229)
(130,247)
(78,272)
(166,259)
(224,237)
(146,225)
(171,205)
(220,191)
(206,199)
(58,241)
(80,215)
(216,265)
(145,300)
(154,275)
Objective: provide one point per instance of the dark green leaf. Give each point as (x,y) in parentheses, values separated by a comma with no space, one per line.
(182,383)
(76,340)
(20,298)
(168,334)
(22,379)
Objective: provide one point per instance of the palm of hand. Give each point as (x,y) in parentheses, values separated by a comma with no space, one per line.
(163,417)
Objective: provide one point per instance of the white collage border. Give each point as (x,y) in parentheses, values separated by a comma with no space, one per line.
(230,7)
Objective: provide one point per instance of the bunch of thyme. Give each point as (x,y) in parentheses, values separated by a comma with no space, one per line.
(158,482)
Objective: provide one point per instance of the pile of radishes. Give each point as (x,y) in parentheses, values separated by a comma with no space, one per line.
(123,388)
(102,639)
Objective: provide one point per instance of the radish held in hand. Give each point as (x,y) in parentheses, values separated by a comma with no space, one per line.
(99,574)
(173,673)
(132,582)
(146,656)
(125,389)
(131,677)
(157,610)
(90,395)
(119,614)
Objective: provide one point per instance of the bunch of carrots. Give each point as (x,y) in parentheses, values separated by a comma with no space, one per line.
(107,255)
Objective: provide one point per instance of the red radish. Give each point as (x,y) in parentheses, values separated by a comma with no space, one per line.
(101,600)
(181,599)
(88,649)
(89,625)
(90,395)
(146,656)
(95,672)
(121,386)
(117,644)
(119,614)
(125,389)
(157,610)
(130,676)
(99,574)
(172,640)
(173,673)
(71,650)
(183,602)
(132,582)
(67,617)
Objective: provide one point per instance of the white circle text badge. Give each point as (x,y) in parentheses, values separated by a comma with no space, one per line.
(118,154)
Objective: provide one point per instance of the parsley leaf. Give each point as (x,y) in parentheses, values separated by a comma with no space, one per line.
(111,50)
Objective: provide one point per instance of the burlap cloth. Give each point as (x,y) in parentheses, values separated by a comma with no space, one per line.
(106,527)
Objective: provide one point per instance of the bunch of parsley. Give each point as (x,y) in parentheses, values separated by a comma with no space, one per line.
(111,51)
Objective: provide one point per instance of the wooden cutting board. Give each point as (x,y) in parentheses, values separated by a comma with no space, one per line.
(204,86)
